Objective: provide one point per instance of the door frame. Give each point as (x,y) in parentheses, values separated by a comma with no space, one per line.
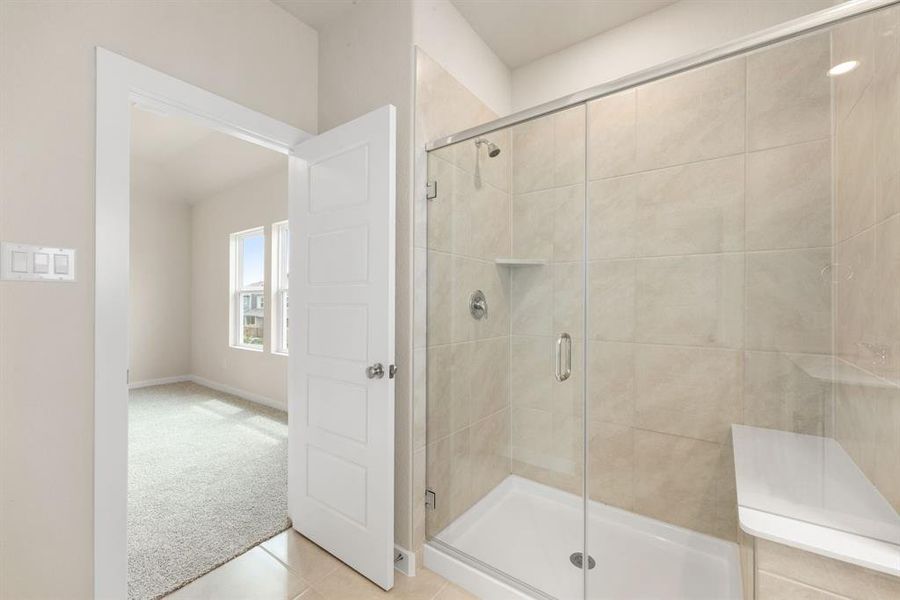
(122,82)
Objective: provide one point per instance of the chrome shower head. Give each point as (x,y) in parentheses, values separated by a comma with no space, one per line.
(493,149)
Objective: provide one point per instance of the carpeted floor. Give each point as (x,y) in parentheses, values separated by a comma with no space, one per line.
(207,479)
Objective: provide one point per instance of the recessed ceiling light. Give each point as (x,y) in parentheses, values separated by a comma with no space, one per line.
(842,68)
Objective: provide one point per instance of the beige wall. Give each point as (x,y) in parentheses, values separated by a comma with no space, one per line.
(258,202)
(867,247)
(159,333)
(248,51)
(366,62)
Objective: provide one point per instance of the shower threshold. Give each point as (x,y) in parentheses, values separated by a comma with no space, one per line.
(529,531)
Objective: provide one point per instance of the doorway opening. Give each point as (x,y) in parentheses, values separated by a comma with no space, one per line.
(208,350)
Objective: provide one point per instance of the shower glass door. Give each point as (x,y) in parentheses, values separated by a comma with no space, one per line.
(505,352)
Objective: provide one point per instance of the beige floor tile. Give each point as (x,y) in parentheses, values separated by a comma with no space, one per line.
(253,575)
(454,592)
(346,584)
(301,556)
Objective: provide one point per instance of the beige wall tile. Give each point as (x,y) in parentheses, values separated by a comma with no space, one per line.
(853,40)
(531,371)
(612,135)
(779,394)
(866,418)
(789,197)
(488,222)
(887,299)
(788,96)
(611,464)
(827,574)
(568,224)
(773,587)
(488,377)
(440,282)
(445,230)
(690,300)
(569,143)
(611,305)
(490,452)
(531,301)
(532,224)
(856,315)
(610,381)
(854,208)
(568,299)
(675,479)
(789,301)
(450,369)
(689,209)
(533,149)
(612,217)
(693,116)
(693,392)
(886,92)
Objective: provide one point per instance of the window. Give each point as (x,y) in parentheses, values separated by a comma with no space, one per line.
(281,251)
(248,259)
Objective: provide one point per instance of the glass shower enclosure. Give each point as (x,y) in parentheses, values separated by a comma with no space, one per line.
(615,284)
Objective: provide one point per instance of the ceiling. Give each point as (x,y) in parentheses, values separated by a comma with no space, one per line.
(196,161)
(518,31)
(316,13)
(522,31)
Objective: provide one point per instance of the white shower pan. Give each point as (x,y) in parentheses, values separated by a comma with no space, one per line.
(528,531)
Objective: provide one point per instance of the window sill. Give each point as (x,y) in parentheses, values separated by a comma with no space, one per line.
(279,353)
(247,348)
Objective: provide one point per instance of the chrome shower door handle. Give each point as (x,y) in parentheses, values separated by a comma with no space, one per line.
(563,372)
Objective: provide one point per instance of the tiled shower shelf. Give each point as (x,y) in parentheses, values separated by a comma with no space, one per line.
(805,491)
(825,368)
(521,262)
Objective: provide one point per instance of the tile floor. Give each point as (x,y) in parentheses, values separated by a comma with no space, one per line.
(290,567)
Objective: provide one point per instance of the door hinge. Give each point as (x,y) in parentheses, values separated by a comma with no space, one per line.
(431,190)
(430,499)
(392,370)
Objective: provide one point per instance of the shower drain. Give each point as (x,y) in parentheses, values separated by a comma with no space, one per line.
(577,559)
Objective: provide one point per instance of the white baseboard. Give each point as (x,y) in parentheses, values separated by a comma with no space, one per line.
(405,561)
(215,385)
(221,387)
(133,385)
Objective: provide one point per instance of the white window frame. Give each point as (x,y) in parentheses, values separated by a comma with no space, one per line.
(280,286)
(236,329)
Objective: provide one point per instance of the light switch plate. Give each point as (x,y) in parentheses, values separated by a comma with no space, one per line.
(41,263)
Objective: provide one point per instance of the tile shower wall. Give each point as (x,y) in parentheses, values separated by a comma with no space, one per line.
(462,365)
(867,247)
(710,227)
(548,163)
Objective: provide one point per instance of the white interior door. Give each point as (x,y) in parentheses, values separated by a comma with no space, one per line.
(341,412)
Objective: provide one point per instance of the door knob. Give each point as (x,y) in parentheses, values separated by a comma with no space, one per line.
(376,371)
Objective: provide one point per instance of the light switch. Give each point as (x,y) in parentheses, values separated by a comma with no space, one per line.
(61,264)
(28,262)
(19,261)
(41,262)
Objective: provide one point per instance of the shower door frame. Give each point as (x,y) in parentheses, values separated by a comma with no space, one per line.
(789,30)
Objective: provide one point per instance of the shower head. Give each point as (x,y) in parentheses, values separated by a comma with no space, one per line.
(493,149)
